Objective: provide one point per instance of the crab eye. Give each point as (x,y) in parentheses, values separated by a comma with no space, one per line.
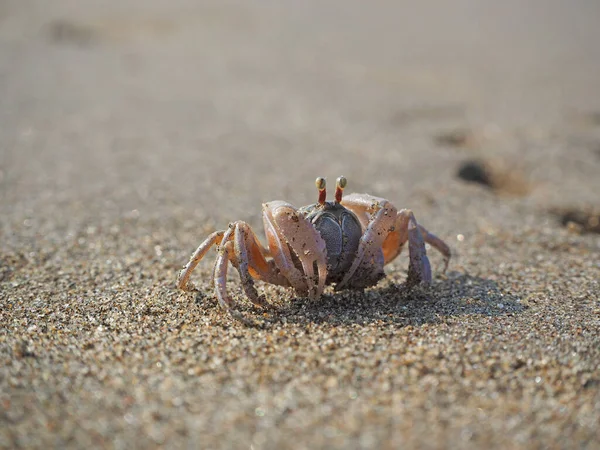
(340,184)
(320,183)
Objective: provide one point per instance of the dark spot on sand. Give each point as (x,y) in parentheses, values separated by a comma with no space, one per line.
(457,138)
(63,31)
(580,220)
(592,117)
(496,176)
(475,172)
(409,116)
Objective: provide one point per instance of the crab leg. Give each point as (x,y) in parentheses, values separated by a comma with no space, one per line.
(220,278)
(407,229)
(240,246)
(184,276)
(236,252)
(395,241)
(241,255)
(419,269)
(258,266)
(438,244)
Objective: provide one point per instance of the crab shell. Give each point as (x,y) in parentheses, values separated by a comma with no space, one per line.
(340,229)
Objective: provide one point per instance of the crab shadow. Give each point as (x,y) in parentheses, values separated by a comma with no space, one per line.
(459,294)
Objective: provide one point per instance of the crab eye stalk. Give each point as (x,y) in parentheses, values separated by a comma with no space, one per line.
(320,183)
(340,184)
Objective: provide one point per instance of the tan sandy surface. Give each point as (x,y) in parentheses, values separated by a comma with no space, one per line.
(129,130)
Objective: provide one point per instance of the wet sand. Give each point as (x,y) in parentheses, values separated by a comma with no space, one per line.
(129,132)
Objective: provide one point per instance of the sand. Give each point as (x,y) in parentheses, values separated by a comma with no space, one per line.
(131,130)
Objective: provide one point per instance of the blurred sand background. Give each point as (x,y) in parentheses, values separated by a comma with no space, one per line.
(130,130)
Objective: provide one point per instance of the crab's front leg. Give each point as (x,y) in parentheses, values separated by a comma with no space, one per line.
(377,216)
(289,231)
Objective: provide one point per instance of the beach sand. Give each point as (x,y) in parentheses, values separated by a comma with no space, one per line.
(129,131)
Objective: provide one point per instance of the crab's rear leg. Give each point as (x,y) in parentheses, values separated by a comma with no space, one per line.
(408,230)
(184,276)
(419,267)
(438,244)
(394,243)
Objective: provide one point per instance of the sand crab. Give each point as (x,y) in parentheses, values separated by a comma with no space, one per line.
(345,242)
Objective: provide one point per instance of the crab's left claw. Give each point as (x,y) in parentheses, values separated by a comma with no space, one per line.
(283,220)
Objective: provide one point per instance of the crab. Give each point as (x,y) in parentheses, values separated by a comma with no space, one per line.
(345,243)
